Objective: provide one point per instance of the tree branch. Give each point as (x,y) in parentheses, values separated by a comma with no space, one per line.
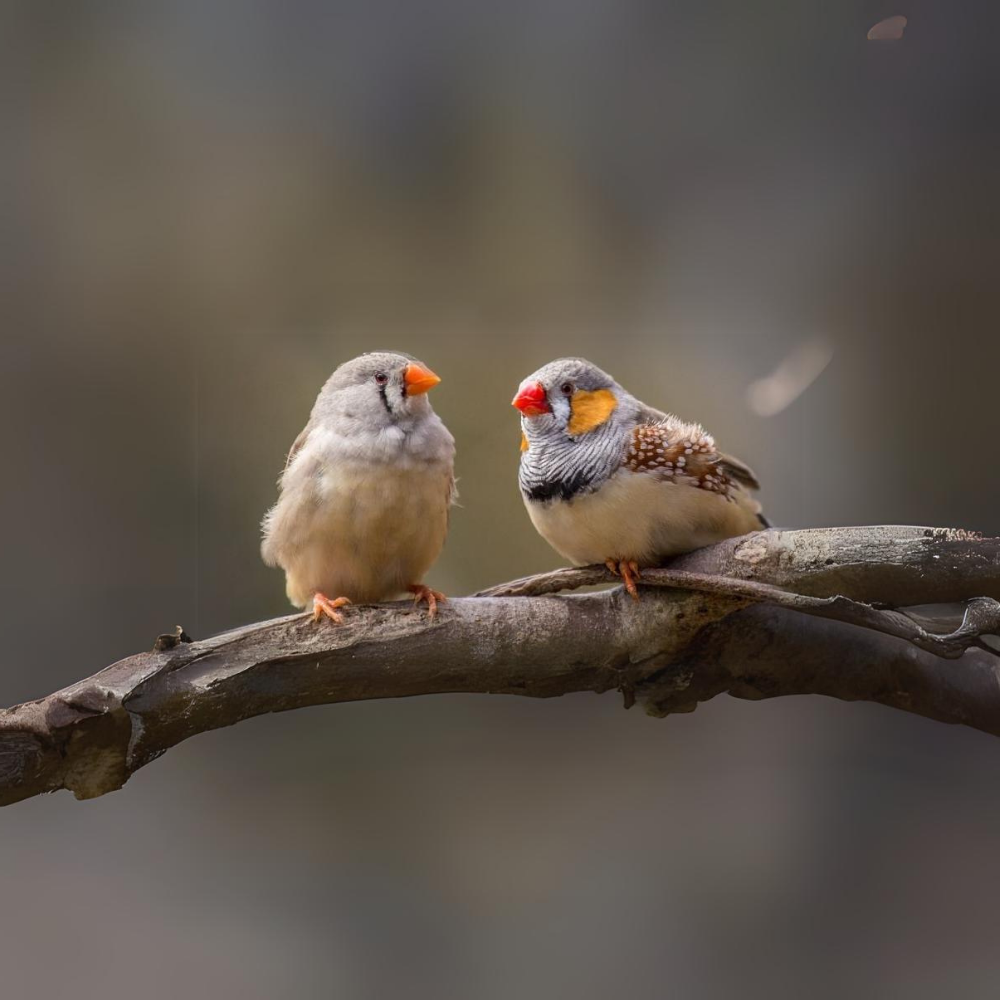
(981,615)
(774,613)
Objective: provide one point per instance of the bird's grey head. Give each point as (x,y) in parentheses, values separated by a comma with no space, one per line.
(377,390)
(572,397)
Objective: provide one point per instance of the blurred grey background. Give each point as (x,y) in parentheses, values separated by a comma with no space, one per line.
(207,206)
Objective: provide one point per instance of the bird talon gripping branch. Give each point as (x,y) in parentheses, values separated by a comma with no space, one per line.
(628,570)
(630,573)
(323,606)
(431,597)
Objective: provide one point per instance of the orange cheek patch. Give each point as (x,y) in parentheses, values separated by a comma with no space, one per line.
(524,442)
(588,410)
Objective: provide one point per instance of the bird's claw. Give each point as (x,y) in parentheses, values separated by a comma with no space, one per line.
(628,570)
(423,593)
(323,606)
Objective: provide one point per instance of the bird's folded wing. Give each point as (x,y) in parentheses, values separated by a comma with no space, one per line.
(674,430)
(297,444)
(738,470)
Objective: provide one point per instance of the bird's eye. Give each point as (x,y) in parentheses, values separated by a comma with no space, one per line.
(566,388)
(381,378)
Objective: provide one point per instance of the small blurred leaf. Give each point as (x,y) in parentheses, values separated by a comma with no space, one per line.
(768,396)
(888,30)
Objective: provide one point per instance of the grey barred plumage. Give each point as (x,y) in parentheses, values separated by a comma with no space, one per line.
(557,465)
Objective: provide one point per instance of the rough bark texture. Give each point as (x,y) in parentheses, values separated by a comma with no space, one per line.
(775,613)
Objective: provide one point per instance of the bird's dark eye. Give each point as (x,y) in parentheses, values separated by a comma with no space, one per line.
(566,388)
(381,378)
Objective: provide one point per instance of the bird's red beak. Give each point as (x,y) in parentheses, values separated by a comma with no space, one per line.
(531,399)
(419,379)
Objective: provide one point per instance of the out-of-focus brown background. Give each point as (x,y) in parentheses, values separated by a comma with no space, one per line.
(207,206)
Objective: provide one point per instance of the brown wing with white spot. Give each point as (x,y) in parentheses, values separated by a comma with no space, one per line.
(678,452)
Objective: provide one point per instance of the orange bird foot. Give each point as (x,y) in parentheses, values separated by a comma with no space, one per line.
(628,570)
(322,605)
(422,593)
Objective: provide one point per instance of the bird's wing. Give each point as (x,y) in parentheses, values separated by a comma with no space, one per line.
(673,430)
(297,445)
(451,495)
(739,471)
(676,452)
(280,521)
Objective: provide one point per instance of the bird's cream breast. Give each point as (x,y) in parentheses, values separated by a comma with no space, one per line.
(370,531)
(639,516)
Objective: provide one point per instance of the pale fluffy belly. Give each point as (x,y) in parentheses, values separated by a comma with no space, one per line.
(370,535)
(638,517)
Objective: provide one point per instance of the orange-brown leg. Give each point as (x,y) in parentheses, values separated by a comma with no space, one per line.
(422,593)
(630,573)
(628,570)
(322,605)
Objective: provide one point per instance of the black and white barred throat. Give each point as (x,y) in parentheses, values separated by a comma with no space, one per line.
(555,466)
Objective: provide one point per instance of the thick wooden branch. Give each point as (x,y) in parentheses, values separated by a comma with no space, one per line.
(775,613)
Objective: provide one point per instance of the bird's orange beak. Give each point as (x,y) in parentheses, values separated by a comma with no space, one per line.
(531,400)
(419,379)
